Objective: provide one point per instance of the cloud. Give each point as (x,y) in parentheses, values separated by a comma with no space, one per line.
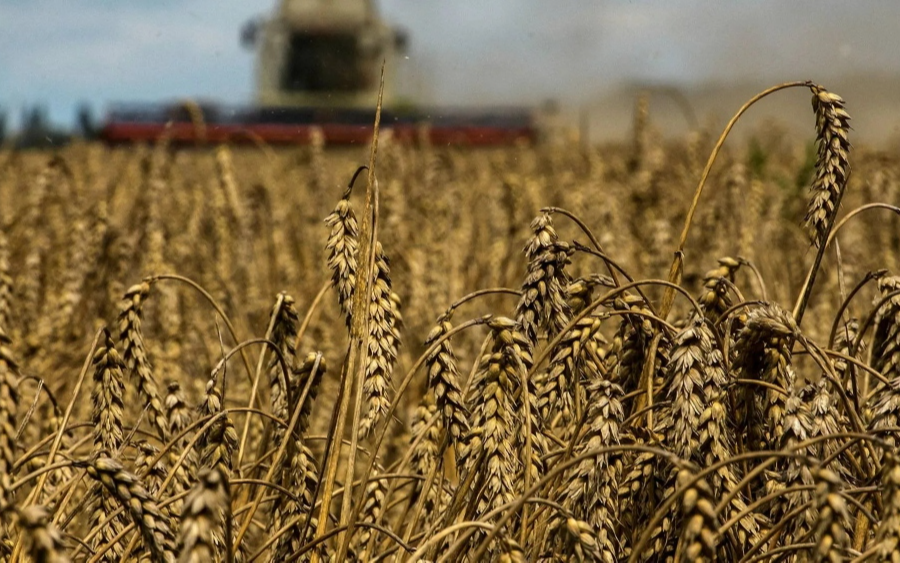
(101,52)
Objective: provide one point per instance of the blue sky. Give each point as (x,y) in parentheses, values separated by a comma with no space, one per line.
(61,52)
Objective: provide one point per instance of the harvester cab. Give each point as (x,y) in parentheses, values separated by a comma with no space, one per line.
(323,53)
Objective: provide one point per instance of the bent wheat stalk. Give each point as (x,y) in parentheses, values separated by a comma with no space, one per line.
(677,268)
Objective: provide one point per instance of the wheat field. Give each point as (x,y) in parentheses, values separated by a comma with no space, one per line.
(509,354)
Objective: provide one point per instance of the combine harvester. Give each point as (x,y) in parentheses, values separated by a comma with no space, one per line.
(318,68)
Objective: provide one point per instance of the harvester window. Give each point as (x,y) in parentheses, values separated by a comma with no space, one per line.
(319,63)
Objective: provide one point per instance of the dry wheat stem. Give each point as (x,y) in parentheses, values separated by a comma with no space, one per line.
(215,305)
(404,383)
(282,447)
(276,310)
(358,354)
(870,276)
(35,494)
(678,264)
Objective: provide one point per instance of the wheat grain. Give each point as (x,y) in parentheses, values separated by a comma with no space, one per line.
(107,399)
(45,539)
(384,342)
(373,505)
(763,351)
(9,401)
(542,305)
(715,299)
(887,535)
(6,284)
(492,431)
(886,341)
(343,247)
(443,380)
(831,537)
(126,488)
(592,488)
(201,516)
(135,355)
(424,455)
(832,163)
(698,535)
